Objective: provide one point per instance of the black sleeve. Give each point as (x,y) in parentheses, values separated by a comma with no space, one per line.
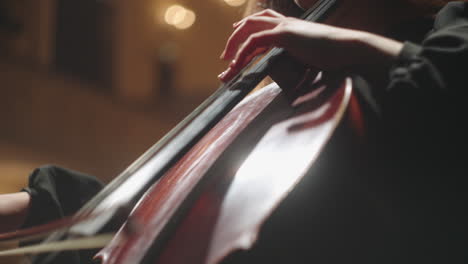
(425,108)
(433,72)
(57,192)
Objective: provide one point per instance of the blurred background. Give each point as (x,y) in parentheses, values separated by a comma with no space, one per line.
(91,84)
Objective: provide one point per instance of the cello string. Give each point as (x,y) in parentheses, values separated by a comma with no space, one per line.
(41,231)
(180,139)
(94,242)
(316,13)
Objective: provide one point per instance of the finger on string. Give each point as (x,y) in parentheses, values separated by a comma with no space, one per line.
(265,39)
(232,71)
(250,27)
(264,13)
(97,241)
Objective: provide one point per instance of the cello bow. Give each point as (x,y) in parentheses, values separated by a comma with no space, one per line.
(157,161)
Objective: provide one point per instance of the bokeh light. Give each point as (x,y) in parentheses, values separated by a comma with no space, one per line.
(179,17)
(235,2)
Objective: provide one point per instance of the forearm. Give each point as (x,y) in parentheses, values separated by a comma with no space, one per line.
(372,53)
(14,208)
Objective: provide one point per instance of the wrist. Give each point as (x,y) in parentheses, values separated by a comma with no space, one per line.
(14,208)
(381,50)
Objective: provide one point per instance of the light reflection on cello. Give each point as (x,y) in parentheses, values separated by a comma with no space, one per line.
(343,211)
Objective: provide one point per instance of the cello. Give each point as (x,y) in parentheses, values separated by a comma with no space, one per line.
(174,191)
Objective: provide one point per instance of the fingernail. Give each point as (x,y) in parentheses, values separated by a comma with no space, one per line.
(235,24)
(222,55)
(222,75)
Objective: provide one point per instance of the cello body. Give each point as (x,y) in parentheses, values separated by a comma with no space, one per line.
(255,188)
(282,178)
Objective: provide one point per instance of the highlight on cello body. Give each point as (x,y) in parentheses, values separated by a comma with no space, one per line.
(399,198)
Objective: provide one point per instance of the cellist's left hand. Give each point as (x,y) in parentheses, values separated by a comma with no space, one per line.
(316,45)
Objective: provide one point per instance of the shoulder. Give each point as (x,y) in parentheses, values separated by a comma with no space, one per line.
(454,13)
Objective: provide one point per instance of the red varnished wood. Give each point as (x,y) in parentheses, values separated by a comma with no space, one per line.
(161,201)
(230,217)
(238,196)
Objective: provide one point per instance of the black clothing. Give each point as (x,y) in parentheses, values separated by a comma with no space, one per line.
(58,192)
(55,193)
(400,198)
(430,75)
(422,151)
(409,208)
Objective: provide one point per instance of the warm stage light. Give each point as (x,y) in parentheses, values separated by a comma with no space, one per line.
(179,17)
(174,14)
(189,19)
(235,2)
